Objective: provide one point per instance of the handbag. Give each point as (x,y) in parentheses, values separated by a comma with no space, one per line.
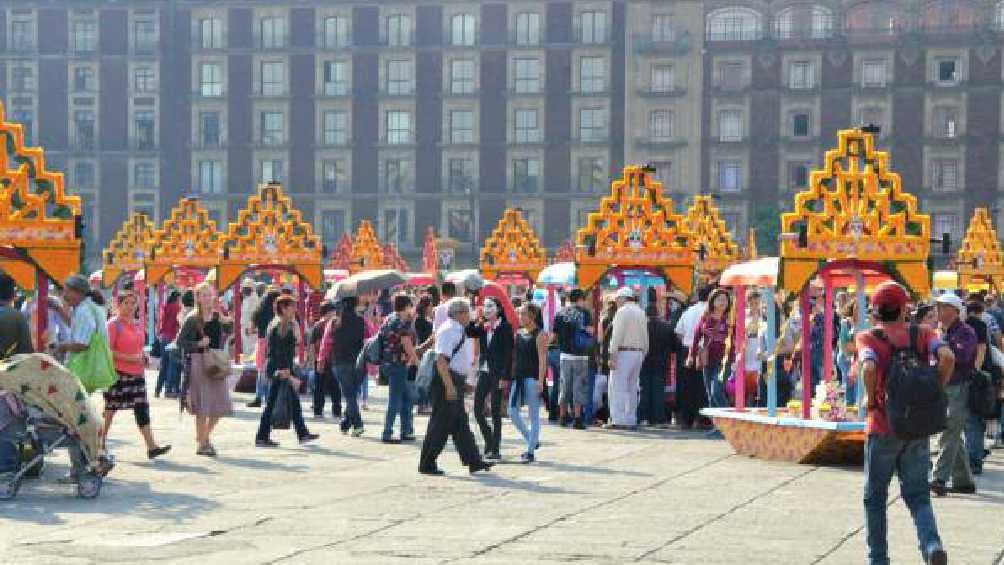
(93,366)
(282,413)
(216,363)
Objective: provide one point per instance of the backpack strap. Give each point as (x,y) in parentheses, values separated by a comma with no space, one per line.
(914,333)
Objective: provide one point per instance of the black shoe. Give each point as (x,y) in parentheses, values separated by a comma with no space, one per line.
(308,438)
(390,440)
(265,443)
(256,403)
(977,468)
(480,466)
(968,489)
(158,451)
(433,472)
(526,458)
(579,425)
(939,488)
(937,556)
(493,457)
(407,438)
(565,421)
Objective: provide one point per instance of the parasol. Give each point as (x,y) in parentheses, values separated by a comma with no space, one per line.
(558,274)
(366,282)
(470,278)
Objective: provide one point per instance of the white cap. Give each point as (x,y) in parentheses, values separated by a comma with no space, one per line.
(952,299)
(625,292)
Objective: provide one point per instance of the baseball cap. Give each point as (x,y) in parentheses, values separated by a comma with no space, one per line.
(953,300)
(625,292)
(890,296)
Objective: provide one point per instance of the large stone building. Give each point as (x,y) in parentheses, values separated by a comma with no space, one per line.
(438,112)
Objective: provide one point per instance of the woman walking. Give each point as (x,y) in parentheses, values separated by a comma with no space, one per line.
(208,398)
(279,367)
(126,336)
(495,340)
(262,318)
(167,378)
(528,371)
(708,352)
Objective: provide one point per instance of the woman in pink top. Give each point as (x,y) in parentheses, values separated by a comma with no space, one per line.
(126,337)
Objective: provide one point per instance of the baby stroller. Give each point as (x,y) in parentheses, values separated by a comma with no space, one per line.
(42,408)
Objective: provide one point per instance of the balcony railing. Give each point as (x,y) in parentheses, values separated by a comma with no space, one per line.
(678,43)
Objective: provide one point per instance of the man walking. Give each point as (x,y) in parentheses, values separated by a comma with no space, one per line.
(573,327)
(249,304)
(953,460)
(884,453)
(398,336)
(689,383)
(661,343)
(325,385)
(628,347)
(343,340)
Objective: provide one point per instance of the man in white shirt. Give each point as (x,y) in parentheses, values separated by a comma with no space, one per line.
(249,331)
(689,382)
(628,347)
(439,315)
(455,356)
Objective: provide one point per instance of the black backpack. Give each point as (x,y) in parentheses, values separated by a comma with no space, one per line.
(915,403)
(983,395)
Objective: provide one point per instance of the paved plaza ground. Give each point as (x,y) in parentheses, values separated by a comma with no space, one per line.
(592,497)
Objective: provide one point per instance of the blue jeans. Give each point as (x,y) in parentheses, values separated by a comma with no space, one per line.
(348,381)
(527,389)
(976,428)
(589,410)
(714,387)
(399,401)
(911,460)
(169,376)
(261,386)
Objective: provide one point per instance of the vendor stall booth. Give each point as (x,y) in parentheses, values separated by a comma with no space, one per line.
(512,254)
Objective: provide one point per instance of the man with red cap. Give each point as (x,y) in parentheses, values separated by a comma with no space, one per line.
(884,453)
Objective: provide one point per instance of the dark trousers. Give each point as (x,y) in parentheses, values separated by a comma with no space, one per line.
(689,392)
(265,425)
(652,406)
(553,398)
(348,383)
(325,386)
(488,387)
(449,419)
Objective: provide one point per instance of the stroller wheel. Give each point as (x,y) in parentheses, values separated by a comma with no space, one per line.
(89,485)
(10,486)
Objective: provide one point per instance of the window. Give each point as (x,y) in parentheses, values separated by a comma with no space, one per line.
(459,224)
(395,226)
(593,27)
(528,28)
(332,177)
(815,22)
(398,127)
(463,30)
(592,177)
(397,176)
(273,78)
(999,15)
(332,225)
(592,74)
(84,36)
(22,35)
(272,128)
(460,175)
(592,125)
(211,33)
(733,24)
(873,74)
(399,77)
(336,78)
(662,28)
(144,203)
(800,124)
(945,175)
(84,175)
(27,120)
(271,170)
(662,78)
(83,122)
(525,176)
(209,129)
(730,176)
(210,177)
(144,175)
(942,223)
(272,32)
(660,125)
(801,75)
(144,80)
(526,126)
(461,126)
(462,76)
(663,172)
(84,79)
(871,115)
(527,75)
(335,127)
(335,32)
(144,130)
(22,79)
(398,30)
(945,121)
(798,175)
(948,72)
(211,79)
(730,125)
(144,36)
(731,76)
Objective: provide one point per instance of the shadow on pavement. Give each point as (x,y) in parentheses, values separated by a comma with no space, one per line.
(495,481)
(588,469)
(260,464)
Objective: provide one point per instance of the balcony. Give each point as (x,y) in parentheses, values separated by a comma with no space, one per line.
(142,144)
(525,185)
(15,47)
(397,90)
(598,36)
(660,142)
(734,35)
(647,44)
(650,92)
(209,93)
(83,143)
(340,89)
(144,48)
(592,139)
(403,141)
(537,42)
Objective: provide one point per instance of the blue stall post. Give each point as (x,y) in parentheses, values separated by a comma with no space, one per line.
(768,291)
(860,326)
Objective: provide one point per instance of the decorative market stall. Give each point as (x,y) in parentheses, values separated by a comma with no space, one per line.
(367,253)
(980,262)
(512,253)
(126,256)
(341,256)
(430,253)
(392,258)
(565,253)
(187,241)
(40,225)
(715,247)
(854,227)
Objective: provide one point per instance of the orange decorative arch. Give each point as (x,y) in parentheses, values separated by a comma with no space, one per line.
(855,208)
(430,252)
(750,252)
(565,252)
(128,251)
(980,260)
(711,236)
(270,232)
(636,227)
(39,222)
(392,258)
(187,238)
(341,257)
(367,253)
(512,248)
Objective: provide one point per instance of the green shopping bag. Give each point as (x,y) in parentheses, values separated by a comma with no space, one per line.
(94,366)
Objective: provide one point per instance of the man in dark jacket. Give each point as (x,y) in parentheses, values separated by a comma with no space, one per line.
(343,340)
(661,342)
(325,384)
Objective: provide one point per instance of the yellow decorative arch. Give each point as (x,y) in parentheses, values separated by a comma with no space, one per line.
(855,208)
(512,248)
(980,260)
(270,231)
(187,238)
(36,214)
(367,253)
(711,236)
(636,227)
(128,251)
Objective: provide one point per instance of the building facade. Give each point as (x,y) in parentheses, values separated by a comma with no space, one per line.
(443,113)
